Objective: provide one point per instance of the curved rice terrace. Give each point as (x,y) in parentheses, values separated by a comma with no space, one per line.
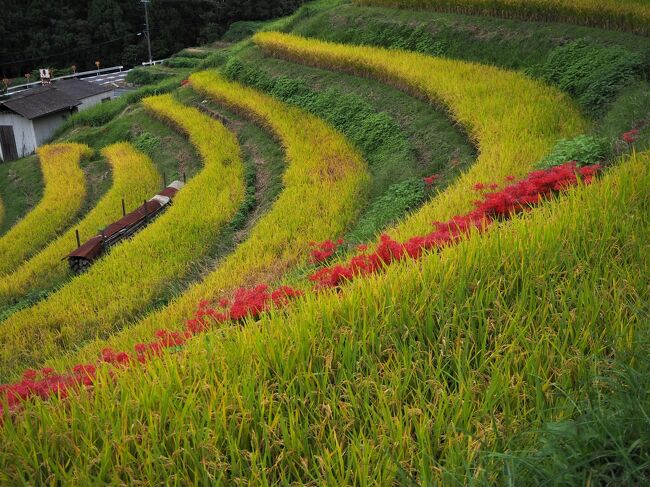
(63,197)
(493,171)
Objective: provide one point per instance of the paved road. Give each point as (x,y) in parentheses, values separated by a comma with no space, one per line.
(107,79)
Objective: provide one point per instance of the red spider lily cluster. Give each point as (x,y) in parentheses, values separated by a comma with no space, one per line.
(45,384)
(485,187)
(499,205)
(429,180)
(252,302)
(324,250)
(631,136)
(185,82)
(245,303)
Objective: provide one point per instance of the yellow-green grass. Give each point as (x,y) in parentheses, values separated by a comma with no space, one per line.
(134,178)
(64,194)
(405,374)
(625,15)
(513,120)
(123,284)
(323,188)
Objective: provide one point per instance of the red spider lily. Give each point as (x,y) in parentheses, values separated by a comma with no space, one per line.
(324,250)
(630,136)
(494,206)
(429,180)
(185,82)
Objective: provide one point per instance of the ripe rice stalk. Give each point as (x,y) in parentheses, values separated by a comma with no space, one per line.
(64,194)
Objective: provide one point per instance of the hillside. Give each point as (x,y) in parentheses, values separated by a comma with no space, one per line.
(412,249)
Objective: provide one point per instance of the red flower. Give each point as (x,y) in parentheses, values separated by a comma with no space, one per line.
(429,180)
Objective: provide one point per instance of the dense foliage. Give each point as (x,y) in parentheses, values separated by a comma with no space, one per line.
(592,74)
(59,34)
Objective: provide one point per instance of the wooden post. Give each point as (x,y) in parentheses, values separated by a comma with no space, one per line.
(123,208)
(78,239)
(184,177)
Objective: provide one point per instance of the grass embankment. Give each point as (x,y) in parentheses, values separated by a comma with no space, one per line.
(124,283)
(63,197)
(625,15)
(21,188)
(134,179)
(324,186)
(353,389)
(481,98)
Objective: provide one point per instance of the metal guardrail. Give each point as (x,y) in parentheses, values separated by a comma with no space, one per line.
(153,63)
(83,74)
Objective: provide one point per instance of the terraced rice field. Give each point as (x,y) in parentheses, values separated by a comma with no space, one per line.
(503,309)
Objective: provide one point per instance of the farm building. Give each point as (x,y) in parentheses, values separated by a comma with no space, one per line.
(28,119)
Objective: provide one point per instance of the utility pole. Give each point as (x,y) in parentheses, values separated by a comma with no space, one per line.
(146,19)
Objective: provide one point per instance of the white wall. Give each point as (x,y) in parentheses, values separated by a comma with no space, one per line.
(94,100)
(23,132)
(44,127)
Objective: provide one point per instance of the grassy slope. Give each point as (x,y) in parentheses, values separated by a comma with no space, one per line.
(353,388)
(21,188)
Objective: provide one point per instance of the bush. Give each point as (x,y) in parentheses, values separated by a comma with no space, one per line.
(195,54)
(592,74)
(182,62)
(239,31)
(146,142)
(214,60)
(584,149)
(145,76)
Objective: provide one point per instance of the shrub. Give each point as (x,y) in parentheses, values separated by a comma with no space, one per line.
(194,53)
(146,142)
(182,62)
(145,76)
(592,74)
(584,149)
(238,31)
